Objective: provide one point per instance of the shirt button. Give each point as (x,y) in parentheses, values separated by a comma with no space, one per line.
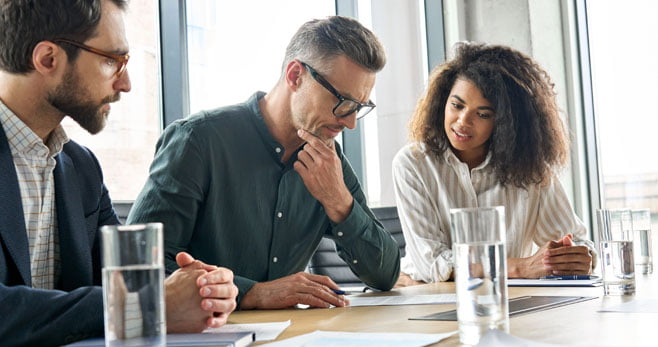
(275,259)
(354,261)
(279,214)
(278,149)
(340,233)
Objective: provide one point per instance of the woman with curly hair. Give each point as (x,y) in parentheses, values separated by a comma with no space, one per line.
(486,133)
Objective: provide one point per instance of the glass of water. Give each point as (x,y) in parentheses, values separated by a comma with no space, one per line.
(133,285)
(478,236)
(615,229)
(642,240)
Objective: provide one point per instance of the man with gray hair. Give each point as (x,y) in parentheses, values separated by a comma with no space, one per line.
(254,187)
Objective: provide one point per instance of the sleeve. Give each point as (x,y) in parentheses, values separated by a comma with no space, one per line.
(175,189)
(362,242)
(244,285)
(557,218)
(49,317)
(428,247)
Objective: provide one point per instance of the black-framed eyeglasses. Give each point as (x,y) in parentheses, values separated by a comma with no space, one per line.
(345,106)
(120,60)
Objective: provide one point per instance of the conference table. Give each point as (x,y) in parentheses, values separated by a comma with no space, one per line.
(574,324)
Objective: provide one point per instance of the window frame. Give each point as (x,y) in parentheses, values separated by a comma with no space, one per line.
(590,141)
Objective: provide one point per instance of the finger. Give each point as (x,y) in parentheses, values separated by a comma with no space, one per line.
(184,259)
(566,240)
(565,267)
(566,250)
(219,291)
(301,169)
(585,262)
(217,320)
(320,299)
(324,293)
(218,305)
(312,140)
(218,275)
(312,151)
(325,280)
(554,244)
(570,272)
(566,257)
(305,157)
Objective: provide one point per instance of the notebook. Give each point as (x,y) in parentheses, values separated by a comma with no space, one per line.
(522,282)
(232,339)
(520,305)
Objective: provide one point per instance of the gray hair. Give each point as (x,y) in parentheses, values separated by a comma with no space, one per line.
(319,40)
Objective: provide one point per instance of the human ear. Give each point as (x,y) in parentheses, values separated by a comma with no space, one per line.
(47,57)
(293,74)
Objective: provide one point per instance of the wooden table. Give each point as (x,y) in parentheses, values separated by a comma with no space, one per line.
(575,324)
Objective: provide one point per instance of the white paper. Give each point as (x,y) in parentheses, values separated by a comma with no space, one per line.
(495,338)
(636,305)
(264,331)
(347,339)
(402,300)
(523,282)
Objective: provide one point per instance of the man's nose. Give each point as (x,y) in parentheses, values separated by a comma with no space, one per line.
(122,84)
(348,121)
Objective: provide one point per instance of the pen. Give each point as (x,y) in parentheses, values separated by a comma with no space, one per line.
(338,291)
(568,277)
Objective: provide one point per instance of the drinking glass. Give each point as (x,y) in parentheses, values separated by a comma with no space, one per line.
(642,240)
(133,285)
(616,245)
(478,236)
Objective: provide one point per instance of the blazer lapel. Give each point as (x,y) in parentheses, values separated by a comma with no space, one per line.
(75,252)
(12,220)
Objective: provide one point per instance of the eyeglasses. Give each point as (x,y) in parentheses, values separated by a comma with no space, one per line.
(119,61)
(345,106)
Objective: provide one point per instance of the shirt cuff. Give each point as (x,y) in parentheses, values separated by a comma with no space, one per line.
(244,285)
(353,226)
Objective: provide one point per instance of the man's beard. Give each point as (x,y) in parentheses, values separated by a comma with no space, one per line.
(73,100)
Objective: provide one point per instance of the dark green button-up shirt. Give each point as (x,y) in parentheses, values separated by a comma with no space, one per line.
(218,184)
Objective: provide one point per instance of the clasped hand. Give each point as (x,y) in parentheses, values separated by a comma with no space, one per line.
(558,258)
(198,296)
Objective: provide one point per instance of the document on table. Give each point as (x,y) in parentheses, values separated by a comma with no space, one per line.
(346,339)
(497,338)
(264,331)
(635,305)
(358,300)
(523,282)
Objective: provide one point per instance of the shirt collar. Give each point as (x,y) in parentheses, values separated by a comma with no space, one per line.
(274,147)
(23,140)
(450,157)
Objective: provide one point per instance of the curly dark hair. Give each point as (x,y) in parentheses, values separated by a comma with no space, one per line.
(529,140)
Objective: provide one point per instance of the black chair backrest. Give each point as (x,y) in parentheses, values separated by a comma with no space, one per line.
(326,261)
(122,209)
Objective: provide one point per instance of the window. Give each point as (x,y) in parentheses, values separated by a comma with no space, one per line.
(624,72)
(237,47)
(126,146)
(384,131)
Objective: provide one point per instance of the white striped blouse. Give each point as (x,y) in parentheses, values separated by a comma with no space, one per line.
(427,186)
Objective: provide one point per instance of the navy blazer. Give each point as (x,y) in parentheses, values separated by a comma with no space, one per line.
(74,310)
